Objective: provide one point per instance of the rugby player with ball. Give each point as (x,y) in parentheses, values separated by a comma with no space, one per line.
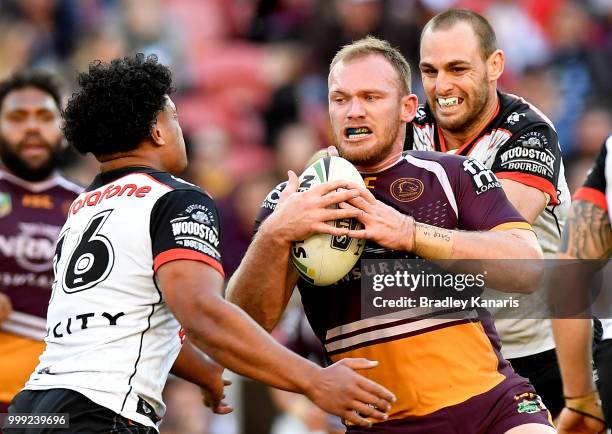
(448,374)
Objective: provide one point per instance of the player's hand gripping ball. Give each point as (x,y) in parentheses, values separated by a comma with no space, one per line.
(324,259)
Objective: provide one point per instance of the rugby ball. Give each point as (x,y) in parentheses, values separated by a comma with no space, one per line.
(324,259)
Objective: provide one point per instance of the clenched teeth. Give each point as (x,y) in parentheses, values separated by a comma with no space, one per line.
(355,133)
(448,102)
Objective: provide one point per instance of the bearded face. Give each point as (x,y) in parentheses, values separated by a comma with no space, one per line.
(30,135)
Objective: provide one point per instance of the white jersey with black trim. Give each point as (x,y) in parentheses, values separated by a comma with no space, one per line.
(110,334)
(519,143)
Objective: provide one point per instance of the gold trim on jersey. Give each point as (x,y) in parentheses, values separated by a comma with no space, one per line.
(512,225)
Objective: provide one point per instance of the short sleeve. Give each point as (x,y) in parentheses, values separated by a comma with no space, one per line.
(532,158)
(481,201)
(185,225)
(594,188)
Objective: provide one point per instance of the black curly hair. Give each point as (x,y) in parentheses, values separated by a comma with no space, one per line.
(39,79)
(117,104)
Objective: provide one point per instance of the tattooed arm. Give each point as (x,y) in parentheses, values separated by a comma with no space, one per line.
(587,235)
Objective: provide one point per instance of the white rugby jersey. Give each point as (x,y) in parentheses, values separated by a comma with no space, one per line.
(521,144)
(110,335)
(597,189)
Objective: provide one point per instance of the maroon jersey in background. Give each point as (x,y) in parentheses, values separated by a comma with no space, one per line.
(31,216)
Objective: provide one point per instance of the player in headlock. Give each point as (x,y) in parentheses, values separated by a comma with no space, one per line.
(465,114)
(138,258)
(448,374)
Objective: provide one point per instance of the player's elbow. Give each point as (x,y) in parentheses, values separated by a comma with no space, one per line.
(259,310)
(529,262)
(528,280)
(206,322)
(526,246)
(531,269)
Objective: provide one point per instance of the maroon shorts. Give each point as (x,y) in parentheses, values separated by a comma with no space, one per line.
(509,404)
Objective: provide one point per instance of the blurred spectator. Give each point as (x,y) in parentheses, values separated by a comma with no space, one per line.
(593,126)
(149,29)
(17,39)
(581,69)
(295,145)
(54,23)
(281,20)
(538,85)
(518,35)
(238,212)
(209,149)
(104,43)
(186,413)
(342,21)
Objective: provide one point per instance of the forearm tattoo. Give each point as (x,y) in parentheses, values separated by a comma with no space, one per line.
(587,234)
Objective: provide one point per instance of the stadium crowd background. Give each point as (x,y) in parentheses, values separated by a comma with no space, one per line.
(251,79)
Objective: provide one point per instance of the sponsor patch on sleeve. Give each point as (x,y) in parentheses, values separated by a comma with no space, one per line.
(483,179)
(196,228)
(531,154)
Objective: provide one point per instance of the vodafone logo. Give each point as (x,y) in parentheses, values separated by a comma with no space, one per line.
(95,197)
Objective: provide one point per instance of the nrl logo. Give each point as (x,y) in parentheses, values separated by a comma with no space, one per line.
(514,118)
(5,204)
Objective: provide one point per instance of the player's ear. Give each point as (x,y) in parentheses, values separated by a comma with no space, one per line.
(157,131)
(495,65)
(409,104)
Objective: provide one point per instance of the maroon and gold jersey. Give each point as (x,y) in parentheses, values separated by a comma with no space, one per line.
(429,363)
(31,216)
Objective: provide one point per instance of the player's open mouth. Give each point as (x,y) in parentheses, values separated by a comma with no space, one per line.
(450,101)
(357,132)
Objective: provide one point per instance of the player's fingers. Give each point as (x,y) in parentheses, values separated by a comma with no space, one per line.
(211,399)
(367,195)
(371,399)
(223,408)
(364,192)
(338,196)
(358,233)
(292,185)
(354,418)
(366,410)
(376,389)
(360,203)
(339,213)
(327,187)
(226,382)
(324,228)
(332,151)
(358,363)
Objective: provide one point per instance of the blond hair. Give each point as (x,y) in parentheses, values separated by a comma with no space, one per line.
(371,45)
